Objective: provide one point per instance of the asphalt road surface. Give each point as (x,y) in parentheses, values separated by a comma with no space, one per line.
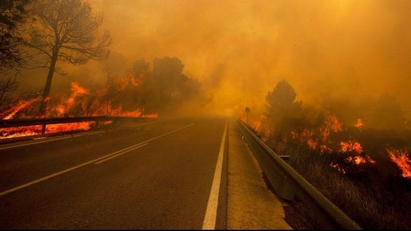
(168,174)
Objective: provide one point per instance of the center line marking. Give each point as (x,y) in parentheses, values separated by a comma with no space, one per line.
(122,151)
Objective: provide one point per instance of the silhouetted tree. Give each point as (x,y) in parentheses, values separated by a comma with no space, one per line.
(167,87)
(115,72)
(281,102)
(281,111)
(66,31)
(141,71)
(12,14)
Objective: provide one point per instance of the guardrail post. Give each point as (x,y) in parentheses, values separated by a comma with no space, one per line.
(43,129)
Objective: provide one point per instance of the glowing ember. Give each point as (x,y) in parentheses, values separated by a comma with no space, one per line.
(338,167)
(324,148)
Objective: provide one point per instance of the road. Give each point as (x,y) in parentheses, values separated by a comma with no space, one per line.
(168,174)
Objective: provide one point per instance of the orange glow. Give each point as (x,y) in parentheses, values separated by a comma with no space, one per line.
(10,113)
(68,104)
(133,81)
(401,158)
(21,131)
(360,159)
(359,124)
(355,160)
(350,146)
(257,125)
(334,124)
(63,108)
(55,128)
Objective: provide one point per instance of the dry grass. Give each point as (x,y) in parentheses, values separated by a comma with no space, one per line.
(374,196)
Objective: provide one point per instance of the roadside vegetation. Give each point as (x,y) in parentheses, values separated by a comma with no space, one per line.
(363,170)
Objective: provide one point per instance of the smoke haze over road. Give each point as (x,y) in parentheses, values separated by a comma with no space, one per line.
(239,50)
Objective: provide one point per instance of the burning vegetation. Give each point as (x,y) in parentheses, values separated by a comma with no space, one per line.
(144,93)
(46,34)
(358,145)
(364,170)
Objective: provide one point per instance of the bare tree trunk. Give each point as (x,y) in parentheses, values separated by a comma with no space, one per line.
(46,93)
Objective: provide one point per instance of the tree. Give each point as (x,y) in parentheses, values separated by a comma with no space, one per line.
(281,103)
(66,30)
(12,14)
(141,71)
(167,86)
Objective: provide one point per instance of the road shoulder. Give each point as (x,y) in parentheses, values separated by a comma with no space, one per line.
(250,205)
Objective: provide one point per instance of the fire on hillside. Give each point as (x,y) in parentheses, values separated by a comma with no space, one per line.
(348,152)
(63,108)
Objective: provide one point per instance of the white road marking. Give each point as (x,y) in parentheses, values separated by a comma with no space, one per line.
(211,212)
(96,161)
(48,139)
(121,152)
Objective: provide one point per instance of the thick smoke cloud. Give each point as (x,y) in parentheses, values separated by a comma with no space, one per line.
(240,50)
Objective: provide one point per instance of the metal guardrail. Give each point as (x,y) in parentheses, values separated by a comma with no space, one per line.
(58,120)
(62,120)
(288,184)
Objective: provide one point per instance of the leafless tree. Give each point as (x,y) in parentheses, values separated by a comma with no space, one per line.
(68,31)
(12,14)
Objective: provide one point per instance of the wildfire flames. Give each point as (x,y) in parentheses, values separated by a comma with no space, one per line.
(319,139)
(61,110)
(402,159)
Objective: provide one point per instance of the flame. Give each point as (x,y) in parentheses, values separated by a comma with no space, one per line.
(401,158)
(134,81)
(18,107)
(357,160)
(359,124)
(350,146)
(21,131)
(55,128)
(323,144)
(352,160)
(333,124)
(257,125)
(65,106)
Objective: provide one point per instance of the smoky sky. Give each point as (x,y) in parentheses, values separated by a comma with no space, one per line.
(240,50)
